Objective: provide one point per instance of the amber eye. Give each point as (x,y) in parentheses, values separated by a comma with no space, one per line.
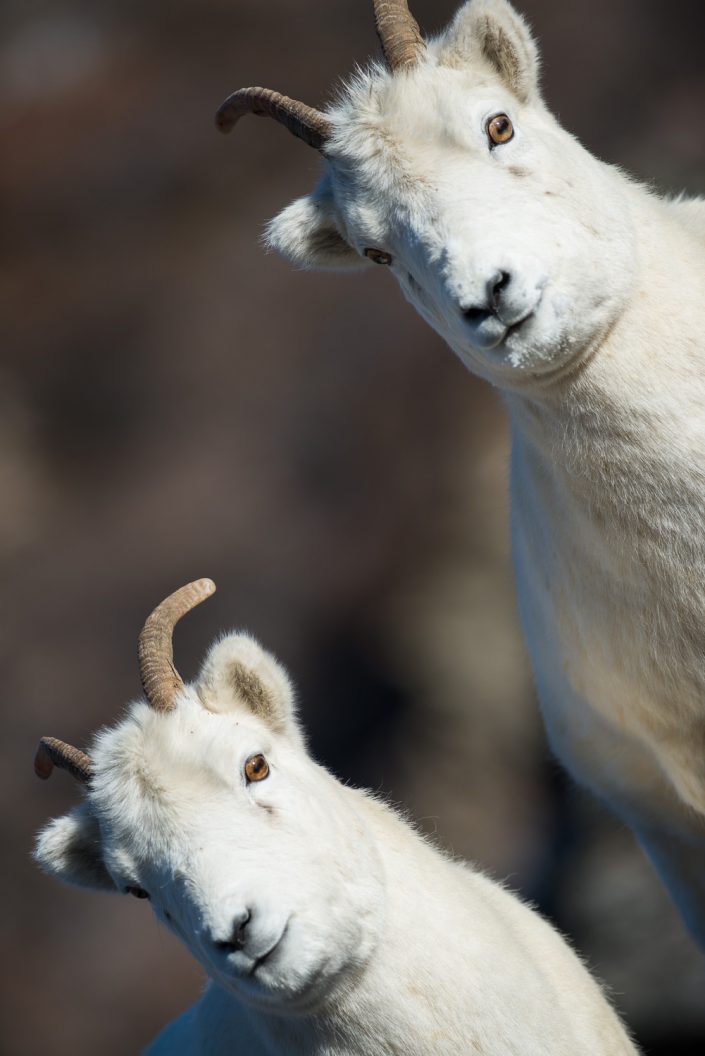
(138,892)
(379,256)
(256,768)
(500,129)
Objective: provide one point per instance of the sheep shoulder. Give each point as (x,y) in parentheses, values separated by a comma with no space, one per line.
(455,944)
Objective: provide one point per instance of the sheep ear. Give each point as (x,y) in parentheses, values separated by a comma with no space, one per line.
(491,30)
(306,233)
(70,849)
(237,672)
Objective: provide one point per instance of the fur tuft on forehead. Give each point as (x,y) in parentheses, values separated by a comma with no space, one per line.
(487,44)
(154,769)
(148,755)
(388,129)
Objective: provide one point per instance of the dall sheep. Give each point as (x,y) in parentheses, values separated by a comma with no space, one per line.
(580,294)
(327,925)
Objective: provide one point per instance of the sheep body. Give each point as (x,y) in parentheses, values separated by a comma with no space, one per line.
(608,504)
(359,937)
(580,295)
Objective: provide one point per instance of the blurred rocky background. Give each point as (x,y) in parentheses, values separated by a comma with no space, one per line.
(174,403)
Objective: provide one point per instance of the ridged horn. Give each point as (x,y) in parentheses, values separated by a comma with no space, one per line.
(301,120)
(160,679)
(52,752)
(399,34)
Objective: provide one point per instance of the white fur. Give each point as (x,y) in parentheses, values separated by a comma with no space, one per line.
(604,379)
(380,944)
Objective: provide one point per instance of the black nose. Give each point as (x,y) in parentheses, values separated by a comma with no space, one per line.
(238,936)
(492,302)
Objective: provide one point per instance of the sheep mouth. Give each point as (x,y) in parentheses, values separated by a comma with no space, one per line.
(516,327)
(493,333)
(264,957)
(500,338)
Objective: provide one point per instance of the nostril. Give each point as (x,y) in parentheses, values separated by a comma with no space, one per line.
(497,285)
(490,306)
(238,936)
(476,314)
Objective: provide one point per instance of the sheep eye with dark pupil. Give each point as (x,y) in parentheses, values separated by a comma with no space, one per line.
(256,768)
(138,892)
(379,256)
(500,129)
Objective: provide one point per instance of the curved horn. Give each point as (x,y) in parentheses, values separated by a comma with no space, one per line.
(160,679)
(301,120)
(51,752)
(399,34)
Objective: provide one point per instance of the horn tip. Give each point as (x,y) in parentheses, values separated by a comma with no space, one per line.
(205,586)
(225,117)
(43,764)
(223,123)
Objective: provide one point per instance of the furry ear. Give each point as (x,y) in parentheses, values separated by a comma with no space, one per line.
(237,672)
(70,849)
(493,32)
(306,234)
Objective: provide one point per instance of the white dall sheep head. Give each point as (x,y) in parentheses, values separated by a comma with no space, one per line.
(446,167)
(205,801)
